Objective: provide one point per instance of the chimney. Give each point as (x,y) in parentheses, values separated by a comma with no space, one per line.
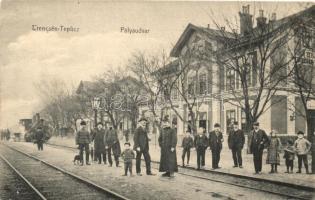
(208,26)
(273,18)
(246,24)
(261,20)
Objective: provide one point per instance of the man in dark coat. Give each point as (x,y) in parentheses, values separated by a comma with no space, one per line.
(236,140)
(167,142)
(99,146)
(39,138)
(259,139)
(83,140)
(215,143)
(112,145)
(201,144)
(141,146)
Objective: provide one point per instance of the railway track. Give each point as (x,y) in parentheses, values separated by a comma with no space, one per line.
(13,185)
(290,191)
(46,181)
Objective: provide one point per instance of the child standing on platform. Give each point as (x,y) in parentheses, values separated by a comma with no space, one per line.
(302,146)
(289,153)
(201,144)
(128,155)
(187,144)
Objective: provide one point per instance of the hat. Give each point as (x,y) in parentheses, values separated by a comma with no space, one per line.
(216,125)
(82,123)
(99,123)
(128,143)
(39,127)
(142,119)
(300,133)
(256,123)
(235,123)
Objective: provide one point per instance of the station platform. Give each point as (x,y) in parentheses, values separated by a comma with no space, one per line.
(143,187)
(226,164)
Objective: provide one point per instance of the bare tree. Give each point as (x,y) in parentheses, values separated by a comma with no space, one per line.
(255,62)
(303,78)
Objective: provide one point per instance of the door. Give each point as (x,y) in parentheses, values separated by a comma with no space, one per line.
(312,114)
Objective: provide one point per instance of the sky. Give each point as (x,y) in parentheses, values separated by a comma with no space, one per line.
(28,56)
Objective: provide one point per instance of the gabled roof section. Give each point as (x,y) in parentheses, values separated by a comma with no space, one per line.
(170,68)
(86,86)
(270,29)
(190,29)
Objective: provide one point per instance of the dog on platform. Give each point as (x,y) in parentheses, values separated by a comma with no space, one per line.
(77,159)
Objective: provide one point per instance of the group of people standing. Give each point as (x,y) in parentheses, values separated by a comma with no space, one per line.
(106,143)
(257,140)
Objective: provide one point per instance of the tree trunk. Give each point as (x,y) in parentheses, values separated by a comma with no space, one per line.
(311,138)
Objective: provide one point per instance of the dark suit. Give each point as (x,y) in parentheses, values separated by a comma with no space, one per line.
(112,142)
(258,141)
(215,143)
(201,145)
(83,140)
(99,146)
(236,140)
(141,140)
(39,137)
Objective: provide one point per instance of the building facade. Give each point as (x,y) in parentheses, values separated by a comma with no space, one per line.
(215,89)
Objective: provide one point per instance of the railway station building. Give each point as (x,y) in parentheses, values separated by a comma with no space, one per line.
(213,83)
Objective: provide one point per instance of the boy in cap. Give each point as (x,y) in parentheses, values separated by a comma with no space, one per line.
(215,143)
(302,147)
(187,144)
(289,153)
(128,155)
(83,140)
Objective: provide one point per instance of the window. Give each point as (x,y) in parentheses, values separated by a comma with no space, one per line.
(174,93)
(230,118)
(230,79)
(191,85)
(202,84)
(248,72)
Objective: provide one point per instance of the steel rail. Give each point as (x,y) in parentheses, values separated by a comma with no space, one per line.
(77,177)
(305,188)
(23,178)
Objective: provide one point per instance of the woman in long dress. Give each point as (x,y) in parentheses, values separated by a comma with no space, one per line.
(273,156)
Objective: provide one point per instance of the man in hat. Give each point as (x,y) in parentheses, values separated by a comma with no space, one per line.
(83,140)
(236,140)
(215,143)
(99,146)
(259,139)
(141,146)
(302,147)
(112,144)
(168,142)
(39,138)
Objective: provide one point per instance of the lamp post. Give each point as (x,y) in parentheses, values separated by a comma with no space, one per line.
(95,105)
